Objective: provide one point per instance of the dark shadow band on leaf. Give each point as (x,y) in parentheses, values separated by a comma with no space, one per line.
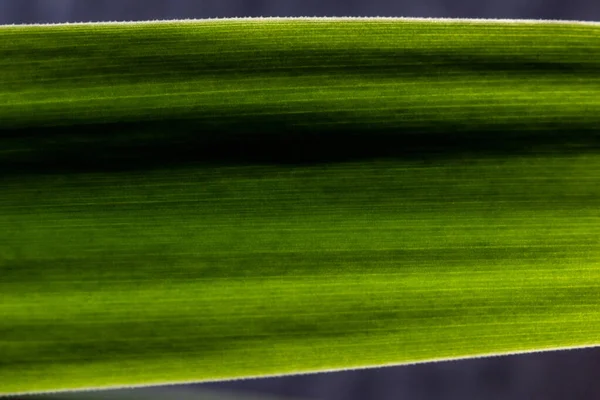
(276,139)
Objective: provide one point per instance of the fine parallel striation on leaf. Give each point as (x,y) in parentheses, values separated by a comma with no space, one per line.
(193,201)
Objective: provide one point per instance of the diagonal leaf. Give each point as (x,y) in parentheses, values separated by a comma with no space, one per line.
(204,200)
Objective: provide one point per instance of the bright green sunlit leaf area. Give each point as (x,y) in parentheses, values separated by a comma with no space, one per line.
(205,200)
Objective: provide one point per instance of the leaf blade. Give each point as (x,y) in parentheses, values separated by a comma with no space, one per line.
(399,241)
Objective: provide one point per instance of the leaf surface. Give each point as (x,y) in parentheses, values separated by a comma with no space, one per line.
(193,201)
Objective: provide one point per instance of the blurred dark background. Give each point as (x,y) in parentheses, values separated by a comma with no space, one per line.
(570,375)
(29,11)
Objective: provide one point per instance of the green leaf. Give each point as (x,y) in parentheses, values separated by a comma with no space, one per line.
(205,200)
